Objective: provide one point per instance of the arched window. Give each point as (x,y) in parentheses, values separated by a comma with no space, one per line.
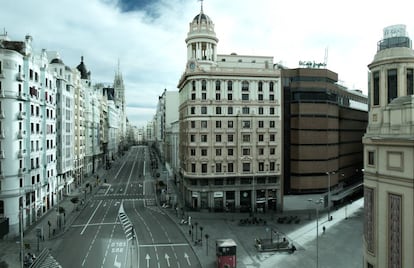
(271,86)
(260,86)
(193,85)
(203,85)
(229,85)
(245,86)
(218,87)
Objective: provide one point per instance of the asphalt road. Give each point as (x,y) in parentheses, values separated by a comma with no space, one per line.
(122,226)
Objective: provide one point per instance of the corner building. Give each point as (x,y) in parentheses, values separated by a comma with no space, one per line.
(389,154)
(230,126)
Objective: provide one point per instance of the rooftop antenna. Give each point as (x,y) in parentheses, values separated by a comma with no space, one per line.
(325,61)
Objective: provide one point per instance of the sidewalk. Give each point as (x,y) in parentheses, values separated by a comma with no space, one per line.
(10,249)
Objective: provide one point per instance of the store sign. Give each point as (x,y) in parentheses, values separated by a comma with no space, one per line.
(195,194)
(218,194)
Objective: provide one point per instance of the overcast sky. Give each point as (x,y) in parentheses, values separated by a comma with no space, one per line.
(148,36)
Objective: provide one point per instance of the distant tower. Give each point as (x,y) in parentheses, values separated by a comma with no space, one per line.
(119,99)
(201,40)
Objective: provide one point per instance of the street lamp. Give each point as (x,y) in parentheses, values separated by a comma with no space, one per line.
(207,236)
(319,202)
(329,193)
(201,234)
(196,223)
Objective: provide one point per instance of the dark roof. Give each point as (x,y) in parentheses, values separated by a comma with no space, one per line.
(200,17)
(56,60)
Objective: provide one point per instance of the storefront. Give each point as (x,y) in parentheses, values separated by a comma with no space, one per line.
(218,201)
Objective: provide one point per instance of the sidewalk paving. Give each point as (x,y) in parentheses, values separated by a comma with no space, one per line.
(10,248)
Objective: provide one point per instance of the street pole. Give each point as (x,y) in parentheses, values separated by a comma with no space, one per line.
(329,194)
(21,238)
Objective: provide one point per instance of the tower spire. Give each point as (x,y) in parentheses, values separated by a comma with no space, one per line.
(201,5)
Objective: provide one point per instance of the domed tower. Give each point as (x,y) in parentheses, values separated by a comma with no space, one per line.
(388,154)
(201,40)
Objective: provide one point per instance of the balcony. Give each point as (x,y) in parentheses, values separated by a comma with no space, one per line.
(20,77)
(21,115)
(21,153)
(21,134)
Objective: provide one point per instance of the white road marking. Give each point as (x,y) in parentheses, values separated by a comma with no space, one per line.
(187,258)
(86,225)
(165,245)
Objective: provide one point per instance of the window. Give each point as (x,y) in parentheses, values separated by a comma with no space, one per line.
(246,138)
(271,97)
(203,85)
(203,138)
(218,124)
(230,137)
(245,86)
(272,110)
(261,166)
(272,124)
(245,97)
(260,86)
(218,169)
(192,110)
(203,96)
(392,84)
(230,168)
(218,152)
(203,152)
(272,150)
(204,168)
(230,124)
(261,151)
(230,151)
(271,86)
(260,110)
(246,167)
(261,137)
(193,170)
(192,152)
(246,151)
(229,96)
(218,138)
(376,82)
(230,181)
(218,110)
(246,124)
(229,85)
(193,96)
(193,85)
(260,97)
(272,137)
(371,158)
(203,110)
(192,124)
(218,96)
(218,87)
(230,110)
(410,81)
(203,124)
(245,110)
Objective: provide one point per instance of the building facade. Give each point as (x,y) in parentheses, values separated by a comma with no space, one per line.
(388,154)
(324,125)
(27,127)
(230,126)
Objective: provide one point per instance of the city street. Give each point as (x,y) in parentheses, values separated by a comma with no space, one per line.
(122,224)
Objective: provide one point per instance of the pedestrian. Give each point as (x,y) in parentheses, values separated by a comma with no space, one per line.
(323,229)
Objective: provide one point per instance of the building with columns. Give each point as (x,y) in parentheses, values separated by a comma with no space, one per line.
(230,126)
(389,154)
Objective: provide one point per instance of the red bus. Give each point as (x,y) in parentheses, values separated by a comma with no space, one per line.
(226,253)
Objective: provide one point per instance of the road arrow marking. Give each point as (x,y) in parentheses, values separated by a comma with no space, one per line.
(167,258)
(187,258)
(148,259)
(116,263)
